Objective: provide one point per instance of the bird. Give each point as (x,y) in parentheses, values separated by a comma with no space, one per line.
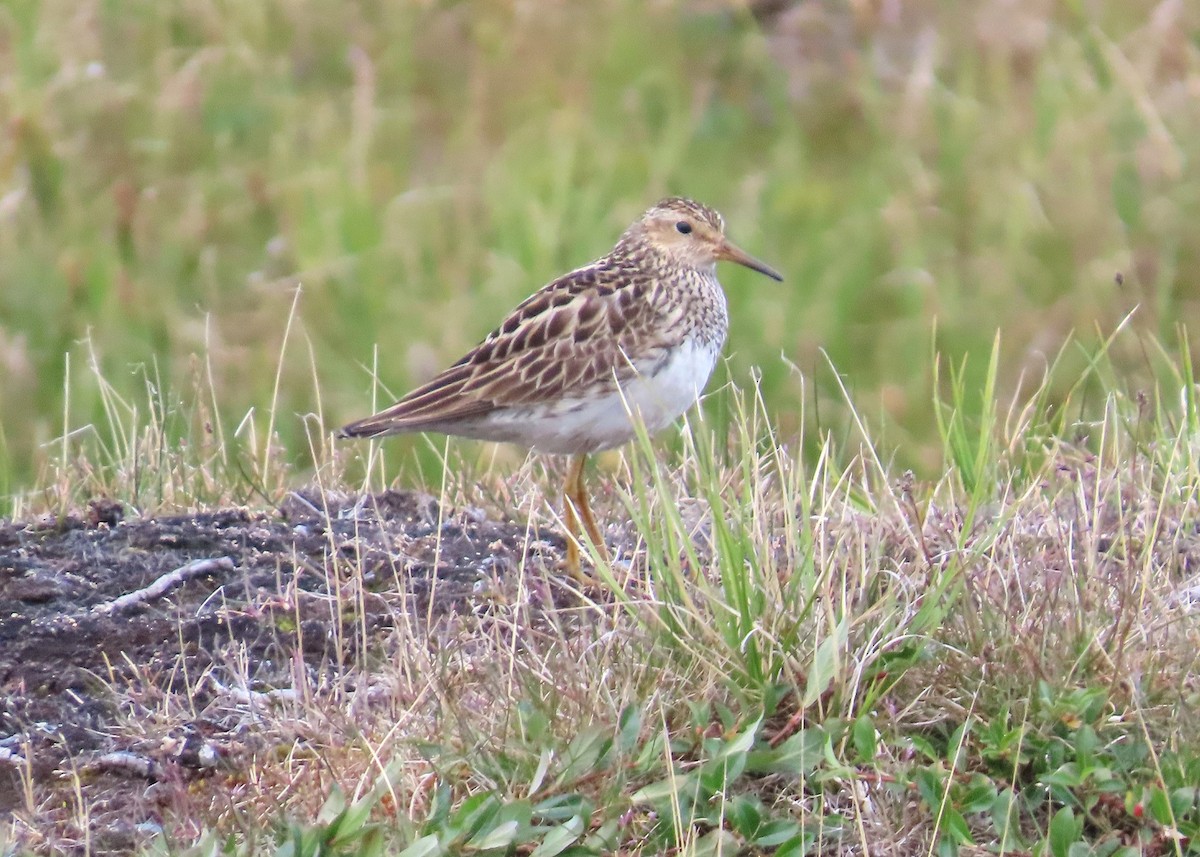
(632,337)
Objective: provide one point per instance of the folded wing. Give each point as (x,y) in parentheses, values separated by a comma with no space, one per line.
(571,339)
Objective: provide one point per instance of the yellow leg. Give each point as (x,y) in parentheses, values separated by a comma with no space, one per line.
(575,510)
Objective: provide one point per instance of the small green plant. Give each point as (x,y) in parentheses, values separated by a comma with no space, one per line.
(1064,780)
(708,797)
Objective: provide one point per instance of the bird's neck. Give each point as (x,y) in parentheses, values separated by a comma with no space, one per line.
(635,251)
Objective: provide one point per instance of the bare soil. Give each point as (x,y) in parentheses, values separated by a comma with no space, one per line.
(73,650)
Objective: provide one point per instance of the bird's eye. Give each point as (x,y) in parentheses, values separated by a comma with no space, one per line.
(683,227)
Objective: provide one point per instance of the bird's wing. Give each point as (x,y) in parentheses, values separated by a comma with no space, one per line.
(583,334)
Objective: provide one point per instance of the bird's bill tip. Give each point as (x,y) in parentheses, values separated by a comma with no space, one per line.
(732,253)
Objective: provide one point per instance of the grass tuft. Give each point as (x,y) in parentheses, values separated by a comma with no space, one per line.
(787,654)
(916,587)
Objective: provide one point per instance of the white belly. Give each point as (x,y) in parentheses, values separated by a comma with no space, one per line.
(588,425)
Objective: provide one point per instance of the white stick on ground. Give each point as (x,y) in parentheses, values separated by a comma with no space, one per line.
(243,696)
(165,584)
(125,764)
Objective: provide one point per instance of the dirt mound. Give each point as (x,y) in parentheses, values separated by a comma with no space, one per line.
(94,603)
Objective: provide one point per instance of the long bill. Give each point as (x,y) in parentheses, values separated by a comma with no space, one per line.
(733,253)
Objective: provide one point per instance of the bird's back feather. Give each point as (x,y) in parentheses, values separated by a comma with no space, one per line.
(574,337)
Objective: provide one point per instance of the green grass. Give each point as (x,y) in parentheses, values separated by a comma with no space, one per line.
(226,230)
(174,173)
(796,657)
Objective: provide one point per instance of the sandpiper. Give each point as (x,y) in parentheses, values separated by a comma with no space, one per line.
(633,336)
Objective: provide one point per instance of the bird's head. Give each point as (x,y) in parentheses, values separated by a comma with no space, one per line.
(690,235)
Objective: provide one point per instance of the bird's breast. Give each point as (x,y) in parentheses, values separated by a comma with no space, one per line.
(695,308)
(661,390)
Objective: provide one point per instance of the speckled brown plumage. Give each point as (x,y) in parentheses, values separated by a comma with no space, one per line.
(634,335)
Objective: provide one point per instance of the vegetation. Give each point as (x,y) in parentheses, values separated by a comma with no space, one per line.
(904,586)
(924,176)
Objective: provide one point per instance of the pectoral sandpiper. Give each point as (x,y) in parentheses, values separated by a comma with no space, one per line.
(632,336)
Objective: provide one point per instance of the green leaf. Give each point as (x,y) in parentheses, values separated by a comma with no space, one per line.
(440,807)
(979,796)
(947,847)
(1130,755)
(629,728)
(954,825)
(1184,800)
(929,786)
(426,846)
(560,838)
(923,746)
(716,842)
(539,775)
(744,740)
(794,847)
(333,806)
(745,814)
(604,838)
(500,836)
(534,725)
(1160,806)
(371,844)
(801,754)
(583,755)
(1066,776)
(561,807)
(663,790)
(1064,831)
(349,825)
(474,814)
(865,739)
(1004,817)
(1086,742)
(825,665)
(956,745)
(650,756)
(728,763)
(777,832)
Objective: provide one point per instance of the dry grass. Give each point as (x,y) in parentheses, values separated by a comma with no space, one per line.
(894,633)
(997,653)
(171,175)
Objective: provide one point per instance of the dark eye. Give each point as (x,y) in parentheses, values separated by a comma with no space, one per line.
(683,227)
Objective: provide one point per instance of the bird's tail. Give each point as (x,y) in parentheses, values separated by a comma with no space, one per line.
(369,427)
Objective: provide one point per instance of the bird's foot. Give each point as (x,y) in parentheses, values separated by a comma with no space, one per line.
(572,565)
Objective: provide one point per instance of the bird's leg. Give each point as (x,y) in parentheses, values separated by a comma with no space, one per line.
(570,490)
(577,510)
(589,522)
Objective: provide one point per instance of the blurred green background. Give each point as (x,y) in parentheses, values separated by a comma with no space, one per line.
(924,173)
